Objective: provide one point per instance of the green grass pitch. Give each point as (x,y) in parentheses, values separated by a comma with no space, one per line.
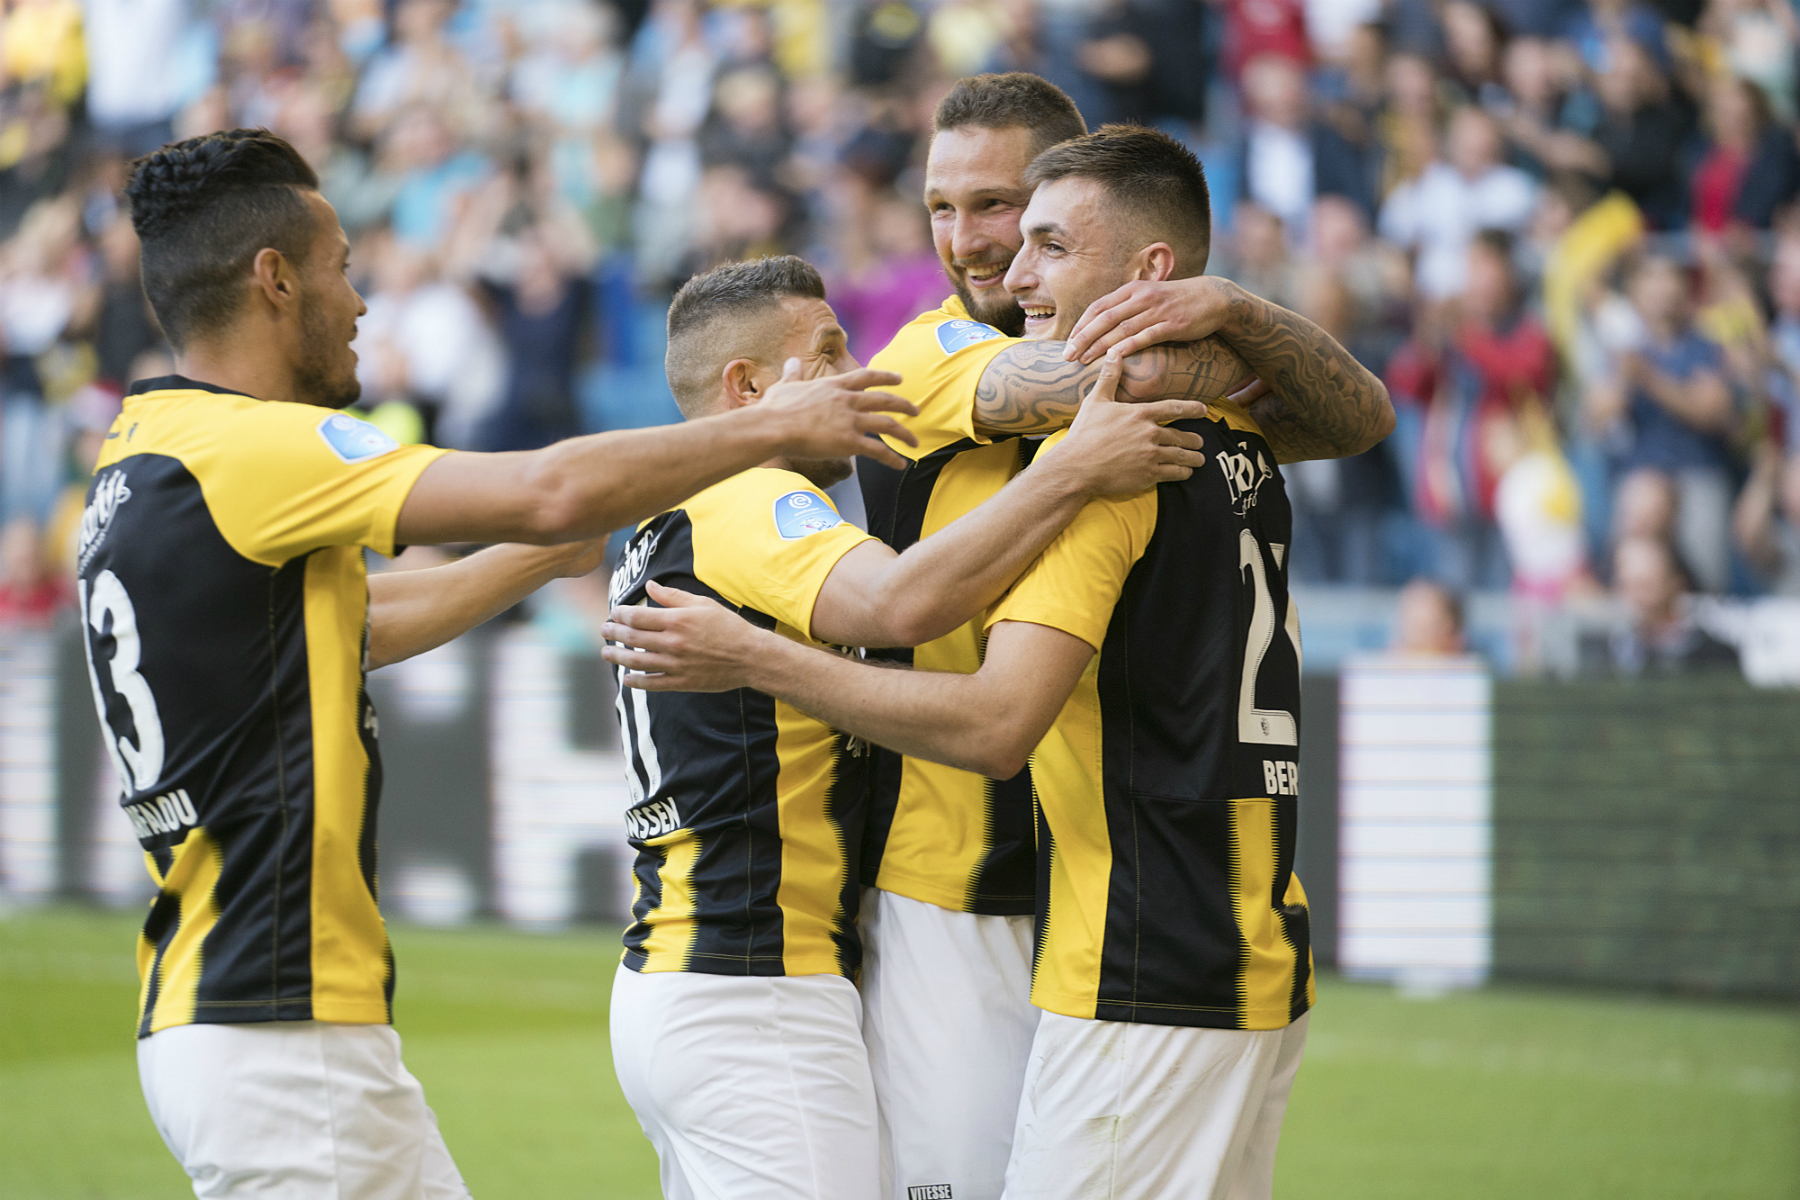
(1504,1093)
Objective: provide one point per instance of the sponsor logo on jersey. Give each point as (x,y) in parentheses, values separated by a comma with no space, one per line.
(110,491)
(651,820)
(171,812)
(960,335)
(1281,778)
(929,1191)
(802,514)
(354,440)
(632,564)
(1245,477)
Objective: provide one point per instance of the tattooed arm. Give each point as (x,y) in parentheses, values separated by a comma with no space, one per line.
(1032,387)
(1320,402)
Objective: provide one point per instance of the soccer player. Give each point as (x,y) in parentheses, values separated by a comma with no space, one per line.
(229,623)
(1151,657)
(948,933)
(736,1027)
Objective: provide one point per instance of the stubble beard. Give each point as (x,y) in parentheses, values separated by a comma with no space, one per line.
(1007,316)
(822,473)
(316,381)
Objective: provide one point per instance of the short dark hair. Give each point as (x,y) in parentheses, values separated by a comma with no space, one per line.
(203,209)
(1147,171)
(700,343)
(1017,99)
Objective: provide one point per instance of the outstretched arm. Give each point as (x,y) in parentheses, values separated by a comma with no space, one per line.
(988,722)
(1320,402)
(874,597)
(1032,387)
(411,612)
(587,486)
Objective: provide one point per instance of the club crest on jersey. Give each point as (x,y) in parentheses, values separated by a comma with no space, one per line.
(353,440)
(802,514)
(632,564)
(960,335)
(1245,477)
(110,491)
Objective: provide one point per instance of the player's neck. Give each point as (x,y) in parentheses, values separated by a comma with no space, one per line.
(228,367)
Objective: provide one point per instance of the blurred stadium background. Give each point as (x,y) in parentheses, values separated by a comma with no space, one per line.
(1551,788)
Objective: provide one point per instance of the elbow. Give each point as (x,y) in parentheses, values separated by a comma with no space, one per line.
(914,625)
(1002,764)
(906,614)
(1384,418)
(1001,750)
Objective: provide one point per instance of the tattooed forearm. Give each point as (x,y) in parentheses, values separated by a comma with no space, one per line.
(1322,403)
(1030,388)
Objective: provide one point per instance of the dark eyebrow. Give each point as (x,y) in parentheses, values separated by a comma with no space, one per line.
(828,333)
(1045,229)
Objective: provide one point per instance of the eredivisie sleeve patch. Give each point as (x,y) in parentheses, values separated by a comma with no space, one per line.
(801,514)
(354,440)
(960,335)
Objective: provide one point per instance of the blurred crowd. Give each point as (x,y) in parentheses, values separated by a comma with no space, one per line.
(1565,233)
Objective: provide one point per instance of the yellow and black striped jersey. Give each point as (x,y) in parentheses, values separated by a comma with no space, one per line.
(937,834)
(225,608)
(1166,787)
(747,814)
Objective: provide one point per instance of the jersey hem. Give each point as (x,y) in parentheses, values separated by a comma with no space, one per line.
(1191,1016)
(741,969)
(955,899)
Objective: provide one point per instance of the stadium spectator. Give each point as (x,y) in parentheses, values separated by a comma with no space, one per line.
(29,592)
(1428,621)
(1288,157)
(1766,522)
(1671,409)
(1645,126)
(1660,634)
(1469,190)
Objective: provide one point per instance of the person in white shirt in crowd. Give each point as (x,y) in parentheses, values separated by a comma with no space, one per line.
(1469,189)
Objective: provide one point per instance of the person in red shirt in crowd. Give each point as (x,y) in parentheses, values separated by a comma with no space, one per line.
(1254,28)
(1737,113)
(1495,358)
(29,592)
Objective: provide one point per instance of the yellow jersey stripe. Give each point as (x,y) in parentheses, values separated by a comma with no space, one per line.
(193,877)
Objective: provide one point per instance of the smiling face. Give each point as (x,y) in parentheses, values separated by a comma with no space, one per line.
(325,370)
(975,191)
(808,330)
(1070,258)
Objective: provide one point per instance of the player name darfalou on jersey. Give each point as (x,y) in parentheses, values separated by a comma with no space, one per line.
(224,602)
(1173,901)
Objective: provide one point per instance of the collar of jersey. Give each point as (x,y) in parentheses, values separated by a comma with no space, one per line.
(178,383)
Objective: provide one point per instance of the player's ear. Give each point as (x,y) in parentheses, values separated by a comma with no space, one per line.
(741,383)
(1155,262)
(275,277)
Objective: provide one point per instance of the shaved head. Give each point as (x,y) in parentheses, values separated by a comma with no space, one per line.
(737,311)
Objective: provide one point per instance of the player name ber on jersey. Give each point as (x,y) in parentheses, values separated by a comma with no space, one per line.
(1166,782)
(747,814)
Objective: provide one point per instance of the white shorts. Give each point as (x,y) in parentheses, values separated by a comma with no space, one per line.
(750,1088)
(295,1110)
(1119,1111)
(948,1020)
